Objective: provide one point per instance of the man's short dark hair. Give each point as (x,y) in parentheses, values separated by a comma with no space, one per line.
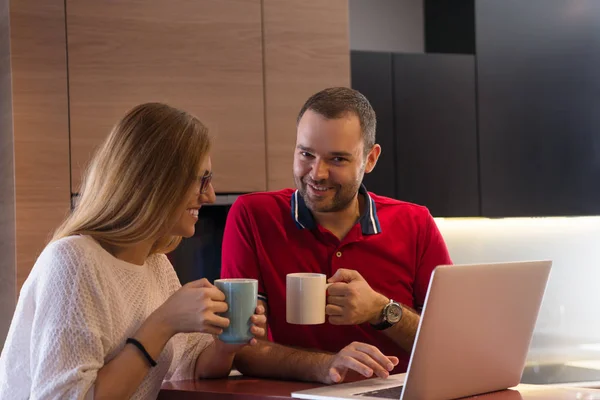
(335,102)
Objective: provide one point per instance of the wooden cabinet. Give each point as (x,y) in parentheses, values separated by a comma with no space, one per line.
(34,139)
(306,49)
(40,126)
(538,107)
(8,270)
(243,67)
(202,56)
(69,70)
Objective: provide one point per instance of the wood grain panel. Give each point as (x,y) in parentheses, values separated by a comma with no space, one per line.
(202,56)
(40,118)
(8,280)
(306,46)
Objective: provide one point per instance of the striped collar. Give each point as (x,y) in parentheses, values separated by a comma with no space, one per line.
(304,219)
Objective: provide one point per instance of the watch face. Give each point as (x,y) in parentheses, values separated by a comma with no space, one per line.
(393,313)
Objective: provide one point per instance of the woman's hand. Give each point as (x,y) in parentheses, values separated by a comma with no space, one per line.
(258,329)
(194,308)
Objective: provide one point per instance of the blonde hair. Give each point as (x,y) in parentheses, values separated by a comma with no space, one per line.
(139,177)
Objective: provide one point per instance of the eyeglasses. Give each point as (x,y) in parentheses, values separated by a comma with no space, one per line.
(205,182)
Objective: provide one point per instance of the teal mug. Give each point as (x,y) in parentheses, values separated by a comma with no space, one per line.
(240,296)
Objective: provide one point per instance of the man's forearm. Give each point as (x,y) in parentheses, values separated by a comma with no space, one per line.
(213,363)
(405,331)
(271,360)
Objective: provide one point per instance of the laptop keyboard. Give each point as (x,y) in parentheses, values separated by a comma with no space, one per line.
(389,393)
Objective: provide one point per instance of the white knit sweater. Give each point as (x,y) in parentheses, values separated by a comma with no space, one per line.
(75,311)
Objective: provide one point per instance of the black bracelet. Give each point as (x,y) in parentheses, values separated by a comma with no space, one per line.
(142,349)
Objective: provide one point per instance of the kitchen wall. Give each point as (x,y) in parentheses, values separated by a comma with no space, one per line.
(7,183)
(569,315)
(387,25)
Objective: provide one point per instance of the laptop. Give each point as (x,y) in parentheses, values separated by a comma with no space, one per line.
(473,337)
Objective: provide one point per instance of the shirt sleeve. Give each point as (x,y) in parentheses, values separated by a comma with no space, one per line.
(239,258)
(186,346)
(66,345)
(432,253)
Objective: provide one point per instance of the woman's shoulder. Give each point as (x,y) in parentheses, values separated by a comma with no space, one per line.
(71,245)
(70,258)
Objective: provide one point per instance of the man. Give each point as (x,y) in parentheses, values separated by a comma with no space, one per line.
(379,253)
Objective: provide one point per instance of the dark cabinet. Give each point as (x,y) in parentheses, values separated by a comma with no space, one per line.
(539,99)
(449,26)
(426,125)
(200,255)
(371,74)
(511,131)
(435,129)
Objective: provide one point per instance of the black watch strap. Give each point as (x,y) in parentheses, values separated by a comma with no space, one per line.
(381,326)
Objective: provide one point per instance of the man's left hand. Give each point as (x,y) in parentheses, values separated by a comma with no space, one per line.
(351,301)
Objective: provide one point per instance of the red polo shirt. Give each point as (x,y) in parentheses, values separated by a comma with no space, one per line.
(395,246)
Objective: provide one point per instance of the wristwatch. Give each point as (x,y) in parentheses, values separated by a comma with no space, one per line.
(392,314)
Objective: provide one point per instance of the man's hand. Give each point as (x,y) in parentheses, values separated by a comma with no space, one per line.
(351,301)
(360,357)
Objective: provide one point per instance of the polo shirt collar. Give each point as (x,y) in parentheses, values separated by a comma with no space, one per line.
(304,219)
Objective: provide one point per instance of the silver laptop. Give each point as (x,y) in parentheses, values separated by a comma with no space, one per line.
(473,337)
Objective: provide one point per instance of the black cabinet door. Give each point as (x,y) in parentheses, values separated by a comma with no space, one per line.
(372,76)
(538,64)
(435,129)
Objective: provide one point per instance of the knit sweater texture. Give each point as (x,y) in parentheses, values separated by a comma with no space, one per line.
(74,313)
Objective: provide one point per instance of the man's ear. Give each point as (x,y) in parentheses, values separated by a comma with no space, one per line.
(372,158)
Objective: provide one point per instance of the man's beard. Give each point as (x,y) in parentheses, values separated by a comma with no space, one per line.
(342,197)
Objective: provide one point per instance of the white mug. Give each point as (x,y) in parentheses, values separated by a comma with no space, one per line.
(305,298)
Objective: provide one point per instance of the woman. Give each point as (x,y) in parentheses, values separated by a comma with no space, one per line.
(102,314)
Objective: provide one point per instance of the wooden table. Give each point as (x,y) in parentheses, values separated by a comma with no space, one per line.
(245,388)
(235,387)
